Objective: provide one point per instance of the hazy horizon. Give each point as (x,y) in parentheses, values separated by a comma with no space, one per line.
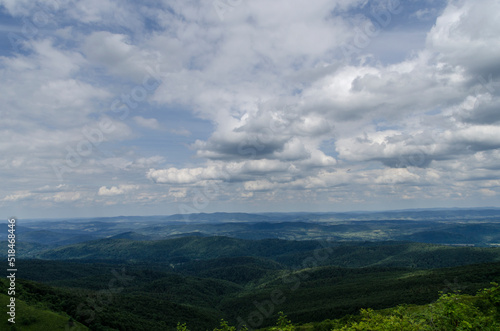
(263,213)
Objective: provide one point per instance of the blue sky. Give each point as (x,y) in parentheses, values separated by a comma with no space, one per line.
(161,107)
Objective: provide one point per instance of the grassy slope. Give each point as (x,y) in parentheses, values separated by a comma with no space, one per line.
(33,318)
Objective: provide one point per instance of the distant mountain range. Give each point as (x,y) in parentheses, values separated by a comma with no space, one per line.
(479,227)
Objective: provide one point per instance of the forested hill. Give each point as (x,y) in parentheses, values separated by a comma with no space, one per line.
(201,280)
(452,311)
(181,251)
(150,273)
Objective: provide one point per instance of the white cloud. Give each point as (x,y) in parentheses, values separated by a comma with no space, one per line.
(114,190)
(118,55)
(17,196)
(259,185)
(289,117)
(424,14)
(395,176)
(466,35)
(178,192)
(66,196)
(184,176)
(148,123)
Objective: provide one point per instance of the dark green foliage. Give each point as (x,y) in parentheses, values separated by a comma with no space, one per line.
(290,253)
(240,270)
(450,312)
(201,280)
(39,307)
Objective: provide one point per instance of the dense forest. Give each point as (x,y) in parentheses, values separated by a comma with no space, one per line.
(452,311)
(125,284)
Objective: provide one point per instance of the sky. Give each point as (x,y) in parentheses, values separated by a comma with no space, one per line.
(161,107)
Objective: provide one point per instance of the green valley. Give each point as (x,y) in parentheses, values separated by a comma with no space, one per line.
(139,277)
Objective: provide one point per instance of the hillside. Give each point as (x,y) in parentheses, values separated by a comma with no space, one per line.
(450,312)
(200,280)
(148,300)
(180,251)
(35,316)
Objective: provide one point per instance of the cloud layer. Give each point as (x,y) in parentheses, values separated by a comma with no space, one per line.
(114,107)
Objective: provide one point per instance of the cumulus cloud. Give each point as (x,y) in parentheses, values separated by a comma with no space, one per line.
(183,176)
(465,36)
(403,149)
(116,190)
(261,101)
(118,55)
